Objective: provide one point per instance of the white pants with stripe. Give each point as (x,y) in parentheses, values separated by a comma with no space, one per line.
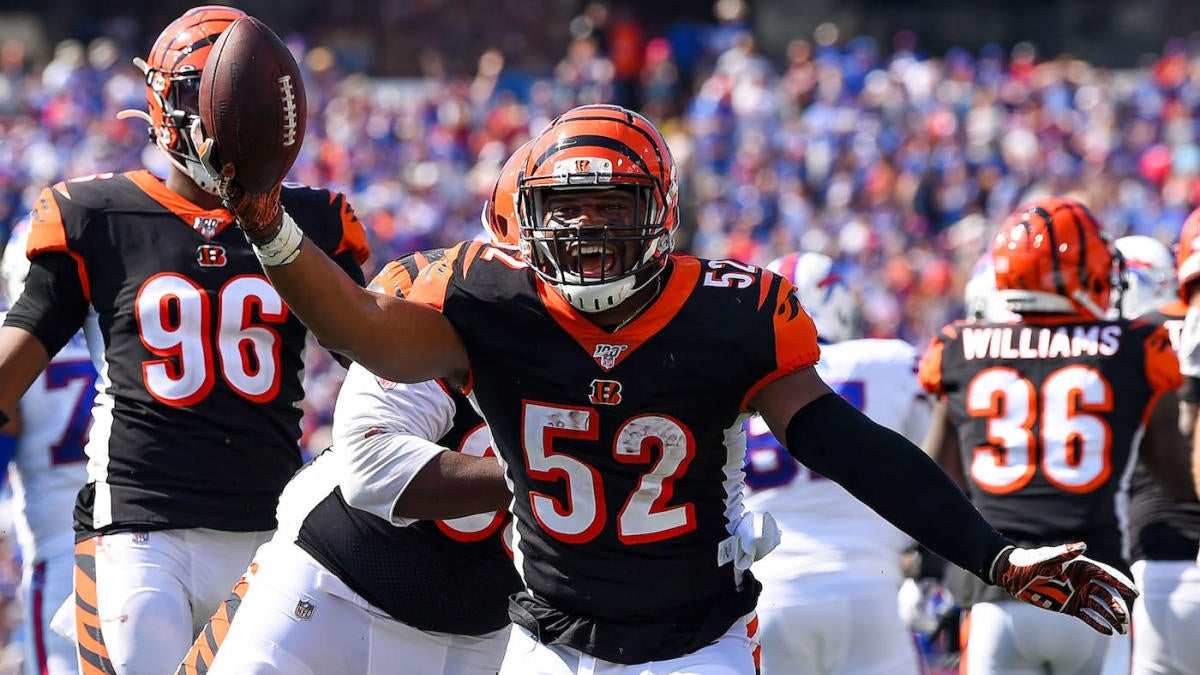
(298,619)
(732,654)
(1166,618)
(1013,638)
(156,590)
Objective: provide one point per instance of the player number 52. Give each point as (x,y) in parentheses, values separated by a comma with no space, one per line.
(645,516)
(727,273)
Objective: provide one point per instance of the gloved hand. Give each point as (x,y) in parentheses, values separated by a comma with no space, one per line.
(1061,579)
(756,534)
(259,215)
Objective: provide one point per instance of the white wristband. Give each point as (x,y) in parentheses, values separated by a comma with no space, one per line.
(284,246)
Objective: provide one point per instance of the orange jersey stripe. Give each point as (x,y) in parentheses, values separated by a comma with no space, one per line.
(354,236)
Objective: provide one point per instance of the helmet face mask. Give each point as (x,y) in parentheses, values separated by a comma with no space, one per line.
(597,206)
(172,73)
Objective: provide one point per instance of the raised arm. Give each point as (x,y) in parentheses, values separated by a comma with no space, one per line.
(393,338)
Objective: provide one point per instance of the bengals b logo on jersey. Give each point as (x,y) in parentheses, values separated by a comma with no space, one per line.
(605,392)
(211,255)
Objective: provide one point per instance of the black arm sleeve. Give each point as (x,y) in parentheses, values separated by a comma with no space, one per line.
(53,305)
(1190,392)
(886,472)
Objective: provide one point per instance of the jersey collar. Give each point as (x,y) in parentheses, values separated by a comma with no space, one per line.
(609,349)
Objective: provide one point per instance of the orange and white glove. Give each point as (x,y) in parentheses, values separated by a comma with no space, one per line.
(1061,579)
(259,215)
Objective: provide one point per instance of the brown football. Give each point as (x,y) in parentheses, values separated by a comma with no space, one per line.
(252,104)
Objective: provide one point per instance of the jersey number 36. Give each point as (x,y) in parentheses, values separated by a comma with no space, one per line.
(1075,441)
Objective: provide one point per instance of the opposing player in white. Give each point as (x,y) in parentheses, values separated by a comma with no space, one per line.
(47,468)
(829,590)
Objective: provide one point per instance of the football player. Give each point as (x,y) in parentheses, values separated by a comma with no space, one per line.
(349,566)
(47,468)
(196,420)
(1164,533)
(834,577)
(615,376)
(1043,417)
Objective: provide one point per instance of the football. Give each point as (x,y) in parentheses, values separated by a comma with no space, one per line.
(252,104)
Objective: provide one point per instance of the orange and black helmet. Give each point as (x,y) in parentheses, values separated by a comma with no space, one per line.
(172,72)
(589,148)
(1051,258)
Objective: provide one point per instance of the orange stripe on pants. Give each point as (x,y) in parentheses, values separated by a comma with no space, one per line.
(752,632)
(93,654)
(964,634)
(204,649)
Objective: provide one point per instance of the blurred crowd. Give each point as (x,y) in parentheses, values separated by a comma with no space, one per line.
(895,162)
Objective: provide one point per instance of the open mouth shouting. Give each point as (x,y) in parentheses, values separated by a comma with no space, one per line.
(594,260)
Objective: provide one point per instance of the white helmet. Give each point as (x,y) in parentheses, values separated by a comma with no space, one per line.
(982,298)
(1149,275)
(14,266)
(822,292)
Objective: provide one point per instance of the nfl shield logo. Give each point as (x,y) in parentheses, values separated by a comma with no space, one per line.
(304,610)
(207,227)
(607,355)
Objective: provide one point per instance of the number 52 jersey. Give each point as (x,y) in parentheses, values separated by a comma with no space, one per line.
(1049,414)
(196,420)
(625,449)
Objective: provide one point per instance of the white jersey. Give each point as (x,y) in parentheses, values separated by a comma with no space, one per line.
(824,529)
(50,465)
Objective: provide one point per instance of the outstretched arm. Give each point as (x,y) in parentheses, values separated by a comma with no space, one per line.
(892,476)
(880,468)
(391,337)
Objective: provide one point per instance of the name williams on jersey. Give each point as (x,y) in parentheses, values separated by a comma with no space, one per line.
(1040,342)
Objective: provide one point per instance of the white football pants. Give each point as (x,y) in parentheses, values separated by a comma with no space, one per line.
(152,592)
(298,619)
(1166,618)
(1013,638)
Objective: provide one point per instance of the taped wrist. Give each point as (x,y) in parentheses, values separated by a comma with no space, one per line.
(895,478)
(281,247)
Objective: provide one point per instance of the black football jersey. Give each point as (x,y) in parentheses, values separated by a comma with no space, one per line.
(1161,528)
(624,450)
(1048,415)
(197,418)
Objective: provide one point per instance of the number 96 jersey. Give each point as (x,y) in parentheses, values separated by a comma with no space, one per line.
(624,449)
(1049,414)
(196,419)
